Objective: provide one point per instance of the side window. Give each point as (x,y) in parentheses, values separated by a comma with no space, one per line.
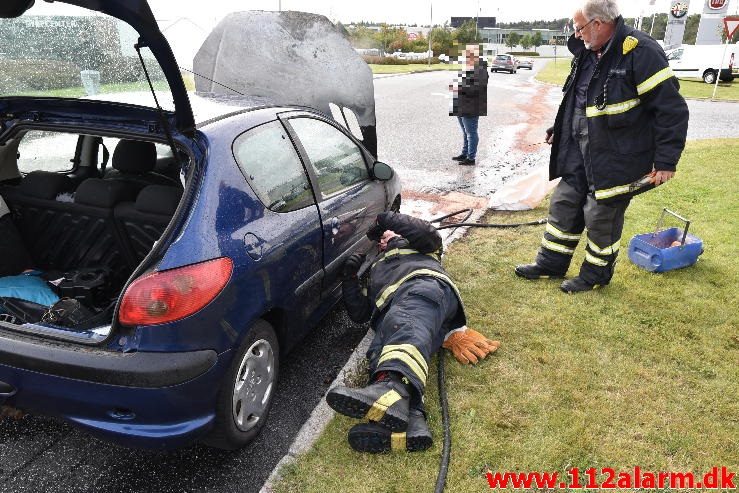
(272,168)
(675,55)
(336,159)
(46,151)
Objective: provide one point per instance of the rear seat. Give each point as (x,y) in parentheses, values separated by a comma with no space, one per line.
(64,235)
(14,257)
(143,222)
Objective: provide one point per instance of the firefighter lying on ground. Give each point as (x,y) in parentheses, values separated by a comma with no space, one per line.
(414,308)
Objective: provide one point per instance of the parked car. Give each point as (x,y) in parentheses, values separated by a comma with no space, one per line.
(702,62)
(197,243)
(525,63)
(506,63)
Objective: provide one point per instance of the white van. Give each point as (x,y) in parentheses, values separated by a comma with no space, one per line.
(702,62)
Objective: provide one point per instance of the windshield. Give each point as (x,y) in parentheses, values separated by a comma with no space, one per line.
(64,51)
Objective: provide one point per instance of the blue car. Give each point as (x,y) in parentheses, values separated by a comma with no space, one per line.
(188,241)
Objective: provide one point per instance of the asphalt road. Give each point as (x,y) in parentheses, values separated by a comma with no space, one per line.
(415,135)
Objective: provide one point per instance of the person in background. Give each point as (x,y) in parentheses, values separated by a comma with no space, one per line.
(470,102)
(619,131)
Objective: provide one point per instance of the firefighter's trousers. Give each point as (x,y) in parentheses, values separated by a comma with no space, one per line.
(412,329)
(572,209)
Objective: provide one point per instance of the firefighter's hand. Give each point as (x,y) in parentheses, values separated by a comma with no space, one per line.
(550,136)
(482,341)
(351,266)
(661,177)
(466,347)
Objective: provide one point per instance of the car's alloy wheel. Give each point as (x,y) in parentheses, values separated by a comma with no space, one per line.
(254,385)
(247,389)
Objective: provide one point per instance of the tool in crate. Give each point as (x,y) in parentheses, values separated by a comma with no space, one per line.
(666,249)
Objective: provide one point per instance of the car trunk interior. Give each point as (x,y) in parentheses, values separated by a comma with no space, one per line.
(81,213)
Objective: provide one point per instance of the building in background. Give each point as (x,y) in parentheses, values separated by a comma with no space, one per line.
(482,22)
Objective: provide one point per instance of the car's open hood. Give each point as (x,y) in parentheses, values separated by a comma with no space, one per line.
(288,58)
(138,15)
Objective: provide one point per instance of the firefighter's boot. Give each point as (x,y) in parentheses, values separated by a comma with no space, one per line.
(535,271)
(385,401)
(375,438)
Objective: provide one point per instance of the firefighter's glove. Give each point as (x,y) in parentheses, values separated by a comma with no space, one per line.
(376,231)
(351,266)
(469,346)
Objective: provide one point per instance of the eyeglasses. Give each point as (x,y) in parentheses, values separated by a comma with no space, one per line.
(579,30)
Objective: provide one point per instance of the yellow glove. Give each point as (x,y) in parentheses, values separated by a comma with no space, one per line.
(469,346)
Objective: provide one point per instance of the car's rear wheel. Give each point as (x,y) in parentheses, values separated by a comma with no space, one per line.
(247,390)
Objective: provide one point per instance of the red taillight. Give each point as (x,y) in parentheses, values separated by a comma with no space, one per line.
(174,294)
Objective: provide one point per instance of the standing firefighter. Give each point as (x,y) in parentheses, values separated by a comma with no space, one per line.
(619,131)
(414,307)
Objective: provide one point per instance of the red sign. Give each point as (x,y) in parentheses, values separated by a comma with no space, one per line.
(716,4)
(412,36)
(731,24)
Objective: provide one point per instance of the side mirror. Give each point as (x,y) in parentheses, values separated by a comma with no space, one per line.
(14,8)
(382,171)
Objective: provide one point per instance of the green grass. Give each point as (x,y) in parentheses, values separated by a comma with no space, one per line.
(643,372)
(78,92)
(557,73)
(411,67)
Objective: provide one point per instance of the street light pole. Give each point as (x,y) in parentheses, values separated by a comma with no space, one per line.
(431,27)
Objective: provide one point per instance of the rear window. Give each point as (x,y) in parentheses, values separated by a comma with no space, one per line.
(65,51)
(46,151)
(501,58)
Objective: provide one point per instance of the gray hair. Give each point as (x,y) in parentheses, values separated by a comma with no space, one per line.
(604,10)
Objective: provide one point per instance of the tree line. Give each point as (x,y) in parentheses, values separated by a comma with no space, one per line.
(446,40)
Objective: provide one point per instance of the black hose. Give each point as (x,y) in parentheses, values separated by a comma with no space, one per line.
(480,225)
(447,448)
(492,225)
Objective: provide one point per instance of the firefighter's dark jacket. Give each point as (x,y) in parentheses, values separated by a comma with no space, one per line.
(415,253)
(637,120)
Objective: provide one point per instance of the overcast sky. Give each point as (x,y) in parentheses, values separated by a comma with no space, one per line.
(207,13)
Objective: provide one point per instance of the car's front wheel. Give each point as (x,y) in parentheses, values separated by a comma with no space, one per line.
(247,389)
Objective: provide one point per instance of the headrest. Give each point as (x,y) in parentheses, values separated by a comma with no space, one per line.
(134,156)
(158,199)
(103,193)
(45,184)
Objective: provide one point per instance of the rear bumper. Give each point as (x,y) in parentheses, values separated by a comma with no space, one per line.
(146,400)
(138,369)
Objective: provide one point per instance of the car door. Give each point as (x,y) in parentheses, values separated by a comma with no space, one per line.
(287,240)
(348,198)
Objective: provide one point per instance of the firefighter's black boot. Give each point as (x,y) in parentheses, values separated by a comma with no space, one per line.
(385,401)
(577,285)
(534,271)
(375,438)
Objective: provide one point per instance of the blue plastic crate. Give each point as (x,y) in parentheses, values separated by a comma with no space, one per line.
(653,251)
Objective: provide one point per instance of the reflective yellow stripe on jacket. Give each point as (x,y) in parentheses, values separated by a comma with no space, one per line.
(612,109)
(391,289)
(654,81)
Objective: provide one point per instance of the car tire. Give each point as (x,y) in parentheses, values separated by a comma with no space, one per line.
(709,76)
(258,355)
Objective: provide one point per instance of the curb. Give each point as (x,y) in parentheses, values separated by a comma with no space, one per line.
(383,76)
(322,415)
